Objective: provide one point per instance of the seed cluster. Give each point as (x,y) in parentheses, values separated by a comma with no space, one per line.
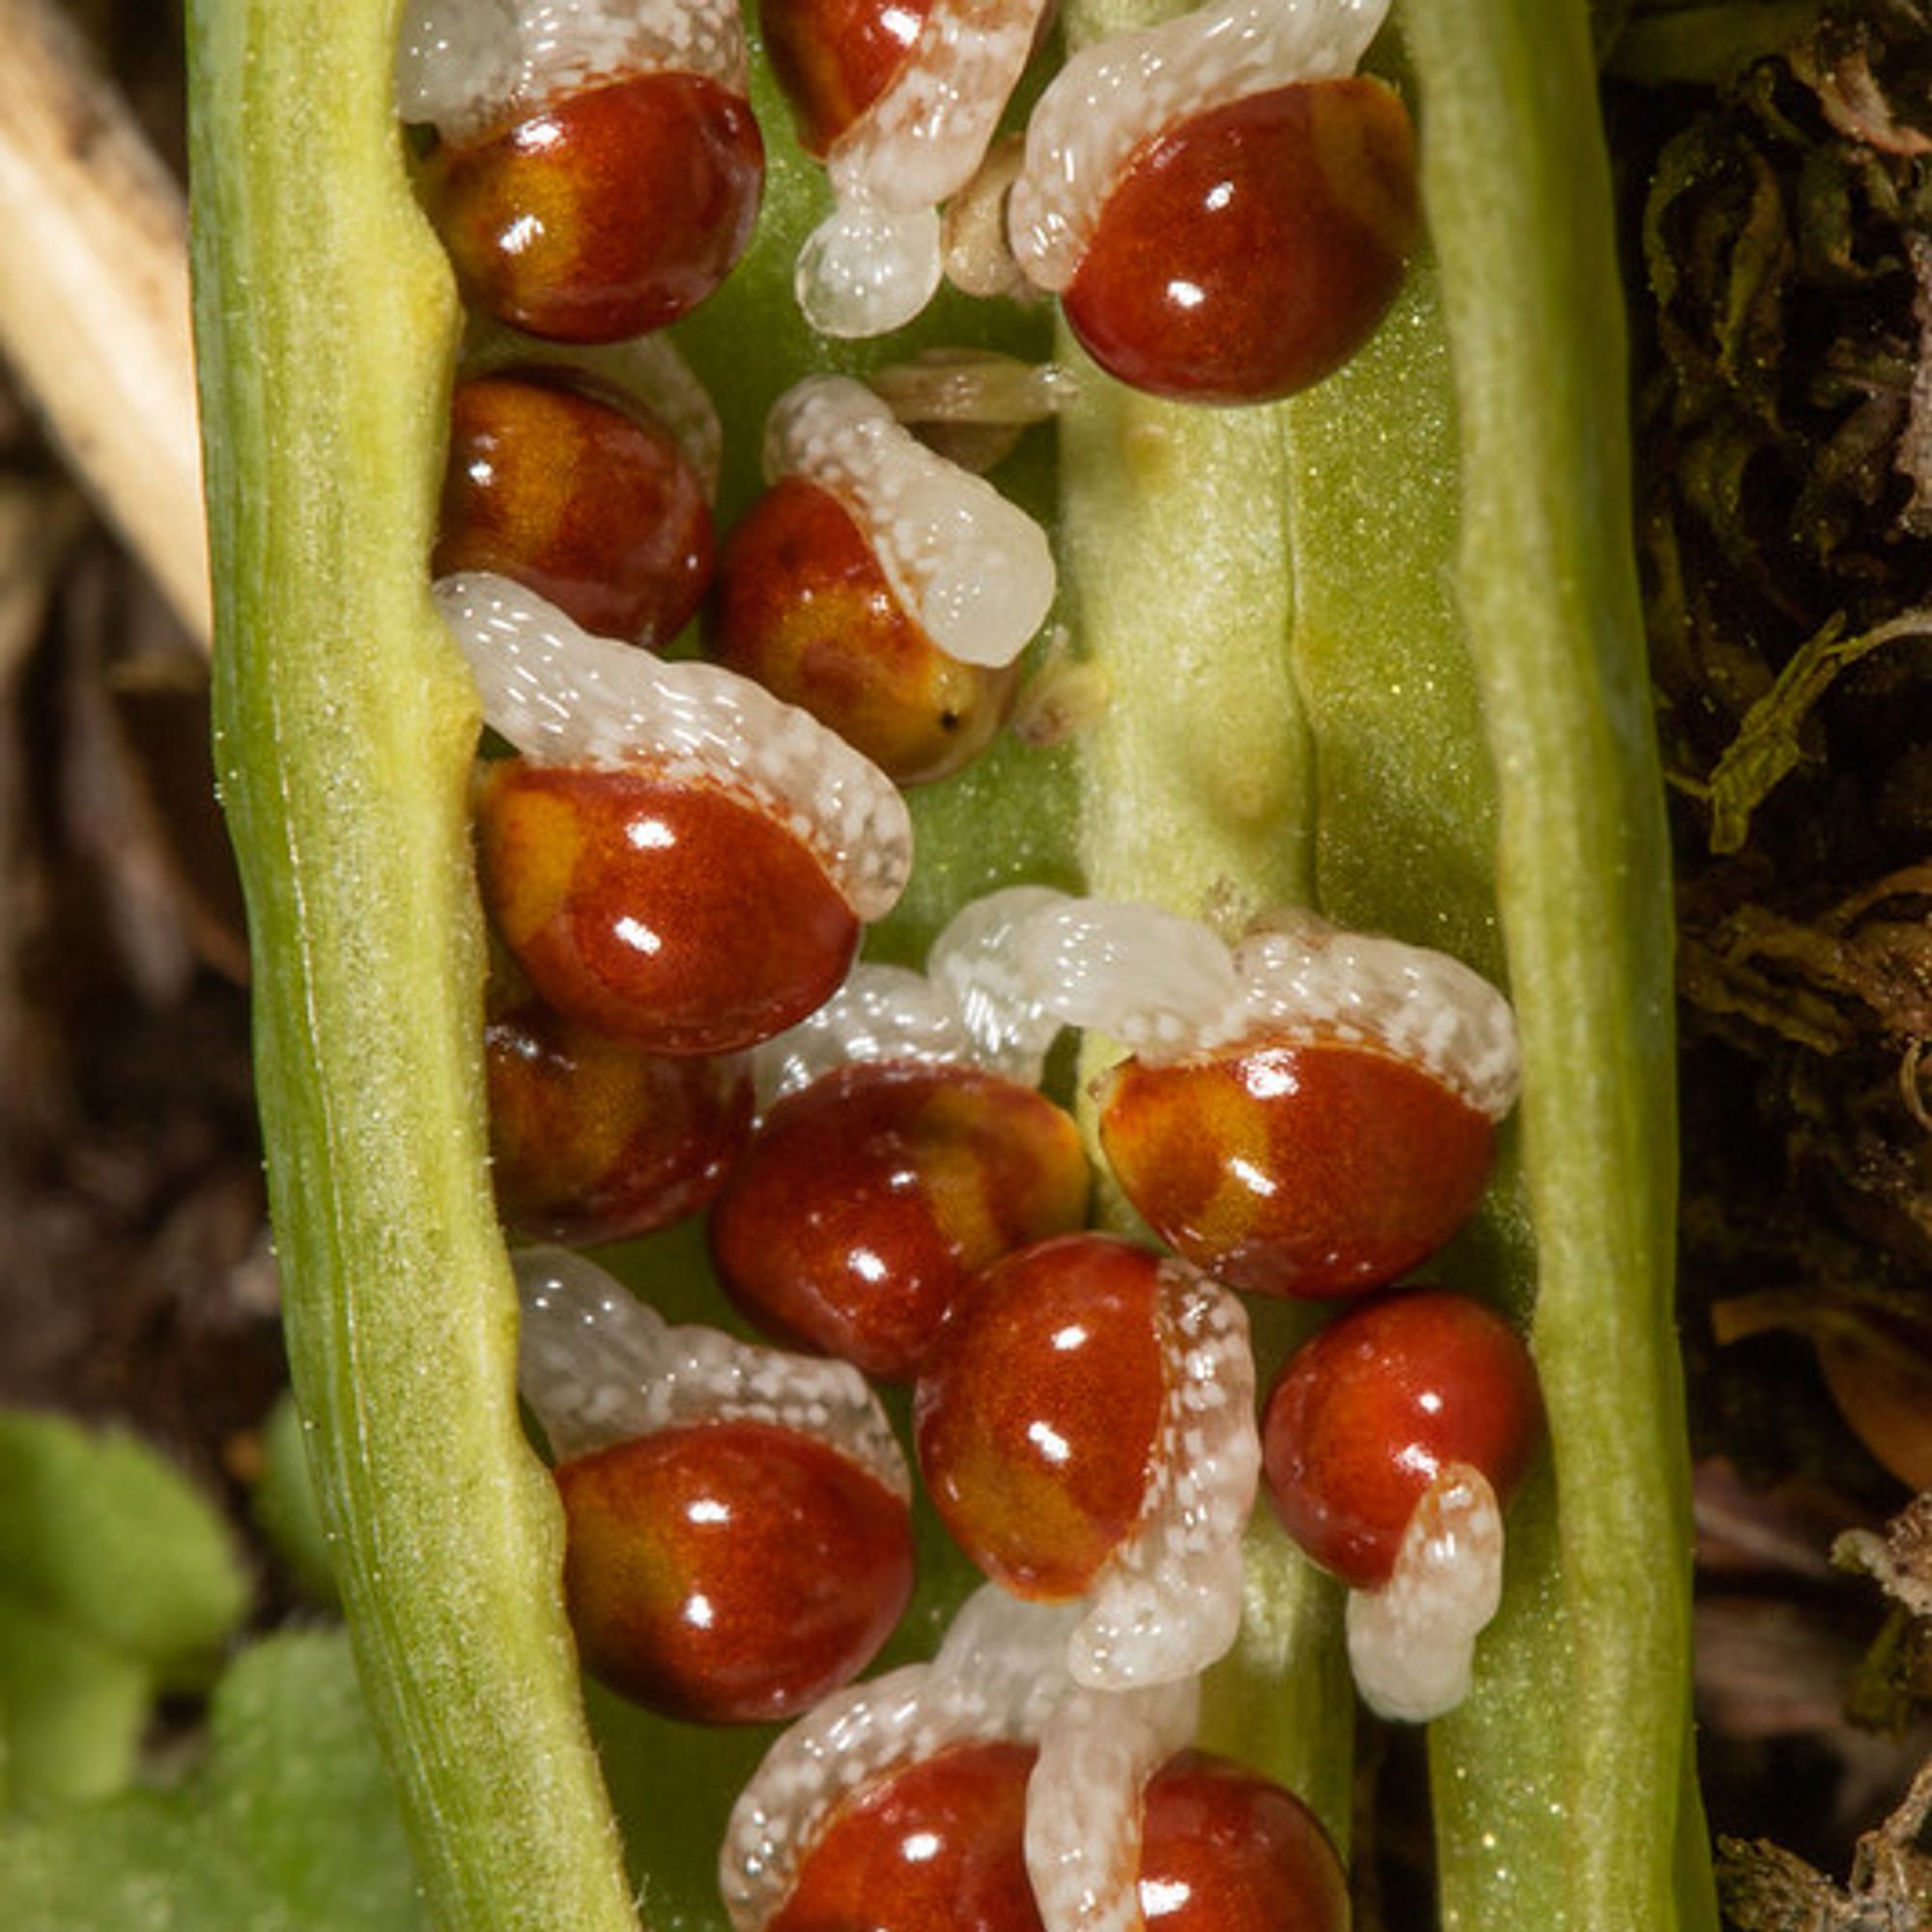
(679,862)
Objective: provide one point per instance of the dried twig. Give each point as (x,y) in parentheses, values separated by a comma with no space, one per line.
(94,304)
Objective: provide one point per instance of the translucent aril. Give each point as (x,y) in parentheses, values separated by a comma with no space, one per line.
(803,607)
(1412,1641)
(974,571)
(679,859)
(592,1140)
(866,1204)
(598,169)
(996,1679)
(880,1014)
(917,139)
(738,1538)
(1084,1428)
(1097,1753)
(591,504)
(975,966)
(1223,207)
(463,65)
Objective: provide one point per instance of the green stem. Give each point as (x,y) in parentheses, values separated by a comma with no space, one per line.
(346,724)
(1585,1834)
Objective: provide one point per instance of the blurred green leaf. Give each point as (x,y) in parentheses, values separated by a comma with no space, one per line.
(288,1826)
(117,1580)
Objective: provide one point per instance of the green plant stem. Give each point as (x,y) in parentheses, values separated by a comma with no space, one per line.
(346,726)
(1518,201)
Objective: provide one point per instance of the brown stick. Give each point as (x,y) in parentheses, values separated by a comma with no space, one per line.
(94,303)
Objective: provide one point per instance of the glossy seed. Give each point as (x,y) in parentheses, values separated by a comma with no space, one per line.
(1226,1850)
(803,606)
(997,1677)
(672,914)
(869,1200)
(610,212)
(934,1847)
(1297,1167)
(1368,1412)
(1251,249)
(567,698)
(593,1140)
(732,1571)
(1039,1414)
(593,505)
(833,58)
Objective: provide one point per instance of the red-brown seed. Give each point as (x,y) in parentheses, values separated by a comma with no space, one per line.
(936,1847)
(1366,1412)
(833,58)
(1039,1416)
(1226,1850)
(592,1140)
(1247,252)
(614,211)
(592,505)
(730,1572)
(803,606)
(1296,1168)
(672,914)
(869,1200)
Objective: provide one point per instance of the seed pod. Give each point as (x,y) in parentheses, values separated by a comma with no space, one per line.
(598,169)
(592,1140)
(1083,1428)
(738,1538)
(1222,204)
(867,1203)
(593,505)
(679,859)
(1391,1442)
